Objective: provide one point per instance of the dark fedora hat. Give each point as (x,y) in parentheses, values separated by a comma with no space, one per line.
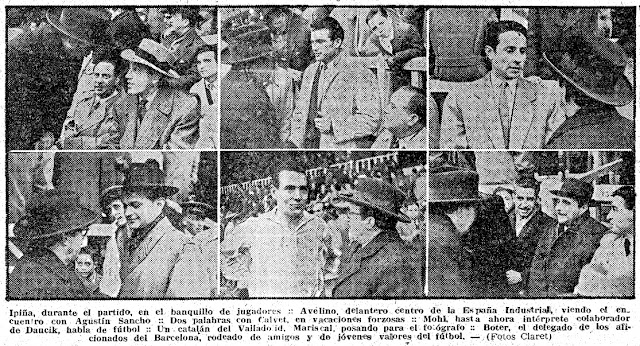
(198,208)
(110,194)
(147,177)
(154,55)
(85,24)
(575,189)
(595,66)
(378,195)
(452,184)
(53,212)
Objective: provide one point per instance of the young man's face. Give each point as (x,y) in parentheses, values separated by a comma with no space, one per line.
(413,211)
(380,26)
(140,211)
(567,209)
(507,198)
(525,201)
(620,217)
(323,47)
(207,64)
(117,212)
(84,265)
(104,79)
(604,22)
(140,79)
(507,60)
(292,193)
(176,21)
(397,118)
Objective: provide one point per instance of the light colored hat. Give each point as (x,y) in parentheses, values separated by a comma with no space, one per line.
(154,55)
(212,40)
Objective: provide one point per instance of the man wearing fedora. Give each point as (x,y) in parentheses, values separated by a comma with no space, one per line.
(52,233)
(592,68)
(567,245)
(468,236)
(151,253)
(379,263)
(155,115)
(279,253)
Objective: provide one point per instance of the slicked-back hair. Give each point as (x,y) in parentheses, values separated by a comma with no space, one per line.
(331,24)
(528,182)
(628,195)
(291,162)
(417,102)
(495,29)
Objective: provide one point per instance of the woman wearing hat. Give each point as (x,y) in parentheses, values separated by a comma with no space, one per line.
(53,232)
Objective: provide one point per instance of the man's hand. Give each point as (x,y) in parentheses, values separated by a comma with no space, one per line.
(323,124)
(513,277)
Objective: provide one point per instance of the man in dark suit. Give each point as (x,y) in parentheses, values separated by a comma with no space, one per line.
(529,222)
(183,41)
(378,264)
(566,246)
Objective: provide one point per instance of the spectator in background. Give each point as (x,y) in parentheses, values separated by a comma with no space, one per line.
(85,266)
(182,40)
(405,121)
(507,197)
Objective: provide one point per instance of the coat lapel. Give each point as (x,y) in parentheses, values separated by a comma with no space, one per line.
(332,73)
(523,112)
(147,245)
(364,252)
(488,113)
(155,120)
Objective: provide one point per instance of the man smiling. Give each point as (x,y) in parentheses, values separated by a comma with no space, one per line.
(502,110)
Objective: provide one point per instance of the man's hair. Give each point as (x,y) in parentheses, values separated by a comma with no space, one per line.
(496,28)
(86,250)
(373,11)
(276,11)
(290,162)
(331,24)
(628,195)
(528,182)
(382,220)
(417,103)
(119,66)
(207,48)
(188,13)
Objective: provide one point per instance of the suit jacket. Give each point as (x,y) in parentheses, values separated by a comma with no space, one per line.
(148,271)
(170,122)
(385,267)
(385,140)
(349,98)
(449,265)
(40,274)
(524,244)
(96,128)
(406,43)
(470,116)
(186,60)
(208,124)
(556,264)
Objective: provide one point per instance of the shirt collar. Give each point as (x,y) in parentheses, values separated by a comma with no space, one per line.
(496,82)
(333,63)
(271,215)
(149,98)
(138,235)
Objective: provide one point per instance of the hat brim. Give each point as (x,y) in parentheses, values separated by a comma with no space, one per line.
(620,95)
(355,200)
(55,22)
(131,56)
(82,218)
(163,190)
(209,208)
(454,200)
(112,192)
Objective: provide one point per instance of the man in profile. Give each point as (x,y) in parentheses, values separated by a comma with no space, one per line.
(279,253)
(405,121)
(338,105)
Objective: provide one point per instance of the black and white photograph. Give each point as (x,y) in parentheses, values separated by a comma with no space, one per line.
(323,77)
(562,227)
(532,78)
(99,78)
(323,224)
(136,225)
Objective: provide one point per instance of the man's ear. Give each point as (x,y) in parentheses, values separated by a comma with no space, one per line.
(160,202)
(371,221)
(489,52)
(413,119)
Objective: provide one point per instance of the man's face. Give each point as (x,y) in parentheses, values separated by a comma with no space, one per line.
(525,201)
(507,60)
(104,79)
(323,47)
(117,212)
(507,198)
(358,227)
(397,118)
(140,211)
(176,22)
(139,79)
(604,22)
(207,64)
(620,217)
(193,223)
(279,23)
(84,265)
(567,209)
(292,193)
(413,211)
(380,26)
(317,208)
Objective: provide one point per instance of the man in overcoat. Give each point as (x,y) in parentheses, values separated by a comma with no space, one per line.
(379,263)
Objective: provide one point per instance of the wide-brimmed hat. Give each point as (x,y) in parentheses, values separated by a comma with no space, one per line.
(453,184)
(147,177)
(212,40)
(376,194)
(575,189)
(53,212)
(154,55)
(81,23)
(595,66)
(110,194)
(198,208)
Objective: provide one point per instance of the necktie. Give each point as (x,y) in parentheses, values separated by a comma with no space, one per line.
(504,109)
(142,109)
(209,98)
(395,143)
(312,137)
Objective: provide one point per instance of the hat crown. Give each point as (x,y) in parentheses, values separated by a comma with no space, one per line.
(143,175)
(452,184)
(157,50)
(380,193)
(576,189)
